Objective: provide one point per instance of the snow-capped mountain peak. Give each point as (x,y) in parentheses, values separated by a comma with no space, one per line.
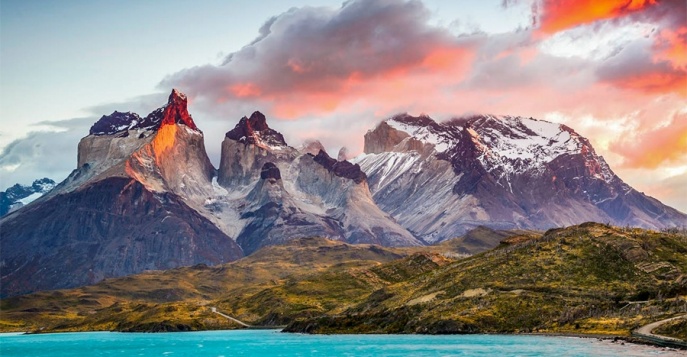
(515,145)
(18,195)
(507,145)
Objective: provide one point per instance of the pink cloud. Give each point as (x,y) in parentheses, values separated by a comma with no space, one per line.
(657,146)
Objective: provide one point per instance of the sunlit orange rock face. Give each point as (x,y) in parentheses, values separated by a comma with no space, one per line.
(164,140)
(177,111)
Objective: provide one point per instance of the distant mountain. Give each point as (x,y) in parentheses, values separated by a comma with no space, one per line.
(18,195)
(440,180)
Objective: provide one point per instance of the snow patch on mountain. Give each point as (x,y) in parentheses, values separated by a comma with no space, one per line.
(426,134)
(526,145)
(509,145)
(388,165)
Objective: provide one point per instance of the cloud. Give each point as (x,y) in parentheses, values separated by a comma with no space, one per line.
(657,64)
(310,60)
(672,191)
(336,72)
(634,68)
(41,154)
(558,15)
(663,144)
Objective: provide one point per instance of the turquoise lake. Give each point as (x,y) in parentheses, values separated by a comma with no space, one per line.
(275,343)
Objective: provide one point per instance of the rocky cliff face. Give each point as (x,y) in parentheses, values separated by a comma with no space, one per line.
(274,216)
(134,203)
(315,195)
(247,147)
(165,151)
(441,179)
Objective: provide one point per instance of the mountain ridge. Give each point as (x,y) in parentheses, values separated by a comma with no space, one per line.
(503,172)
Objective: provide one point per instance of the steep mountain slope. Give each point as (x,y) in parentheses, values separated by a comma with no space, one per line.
(18,195)
(128,207)
(441,179)
(281,193)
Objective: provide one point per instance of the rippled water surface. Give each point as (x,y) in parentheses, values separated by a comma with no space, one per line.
(275,343)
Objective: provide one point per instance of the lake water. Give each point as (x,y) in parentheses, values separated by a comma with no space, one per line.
(275,343)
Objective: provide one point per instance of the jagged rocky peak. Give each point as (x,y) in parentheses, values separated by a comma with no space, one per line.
(176,111)
(119,123)
(312,147)
(421,120)
(115,123)
(254,130)
(270,172)
(343,154)
(343,169)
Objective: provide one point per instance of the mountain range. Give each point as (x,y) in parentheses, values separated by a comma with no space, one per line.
(440,180)
(18,195)
(145,196)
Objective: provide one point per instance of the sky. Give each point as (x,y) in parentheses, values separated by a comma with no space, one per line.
(614,70)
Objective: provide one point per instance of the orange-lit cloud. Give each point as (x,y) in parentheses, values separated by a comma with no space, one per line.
(244,90)
(671,46)
(649,149)
(664,67)
(311,60)
(558,15)
(655,83)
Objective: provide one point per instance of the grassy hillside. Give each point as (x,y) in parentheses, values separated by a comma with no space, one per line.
(584,279)
(677,329)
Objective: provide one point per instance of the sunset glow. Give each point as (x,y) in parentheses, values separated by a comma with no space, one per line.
(614,70)
(558,15)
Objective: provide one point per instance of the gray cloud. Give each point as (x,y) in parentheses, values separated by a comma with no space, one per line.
(635,67)
(41,154)
(318,49)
